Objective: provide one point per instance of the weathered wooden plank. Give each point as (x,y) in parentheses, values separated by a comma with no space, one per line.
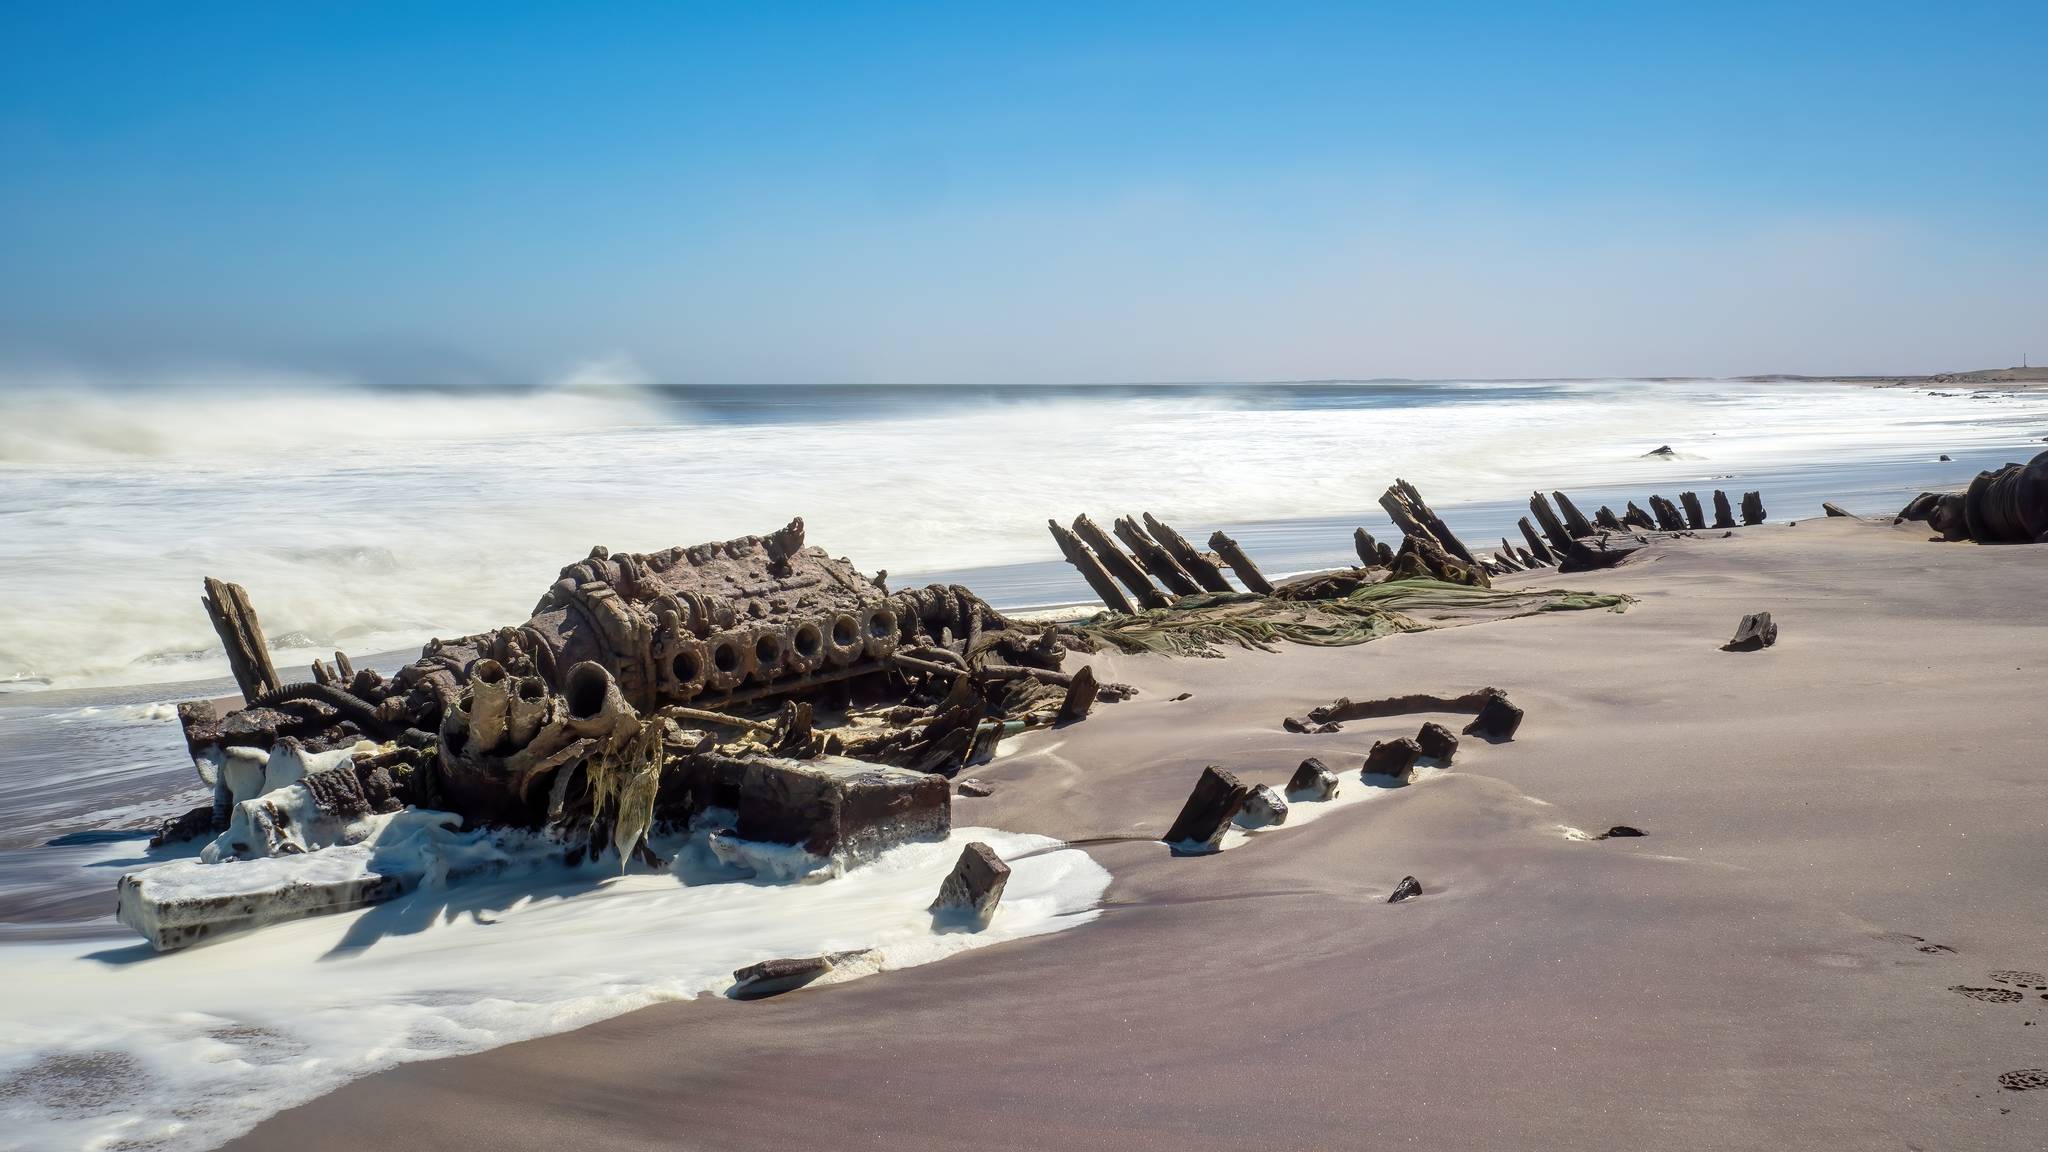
(1091,569)
(241,634)
(1119,565)
(1248,573)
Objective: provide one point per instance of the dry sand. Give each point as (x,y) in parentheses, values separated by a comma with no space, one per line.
(1754,973)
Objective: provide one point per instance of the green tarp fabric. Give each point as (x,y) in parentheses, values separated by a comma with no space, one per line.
(1195,625)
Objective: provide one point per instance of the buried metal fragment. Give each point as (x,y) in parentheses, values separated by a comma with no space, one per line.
(1754,632)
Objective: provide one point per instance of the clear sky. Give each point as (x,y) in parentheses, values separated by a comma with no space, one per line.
(1182,191)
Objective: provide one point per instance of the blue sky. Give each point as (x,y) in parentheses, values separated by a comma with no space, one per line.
(777,193)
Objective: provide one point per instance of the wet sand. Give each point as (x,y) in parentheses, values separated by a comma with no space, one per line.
(1840,829)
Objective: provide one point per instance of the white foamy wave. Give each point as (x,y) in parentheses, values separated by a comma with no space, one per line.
(188,1049)
(378,540)
(77,418)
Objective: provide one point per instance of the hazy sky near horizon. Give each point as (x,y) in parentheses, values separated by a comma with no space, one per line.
(434,193)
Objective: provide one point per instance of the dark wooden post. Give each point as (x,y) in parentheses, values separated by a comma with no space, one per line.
(1119,565)
(1724,516)
(1668,519)
(1752,507)
(1553,531)
(1368,551)
(1437,528)
(1248,573)
(1637,518)
(1092,571)
(1205,572)
(1606,518)
(1536,543)
(1155,559)
(1695,516)
(1575,521)
(242,635)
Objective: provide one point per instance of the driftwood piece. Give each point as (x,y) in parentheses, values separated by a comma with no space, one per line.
(1091,568)
(1575,521)
(1695,516)
(1154,558)
(1537,545)
(1724,515)
(1752,507)
(1194,563)
(1608,521)
(1248,573)
(241,634)
(1553,529)
(1120,565)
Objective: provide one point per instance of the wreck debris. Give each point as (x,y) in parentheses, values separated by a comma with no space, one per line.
(1603,551)
(1263,808)
(1833,510)
(1498,718)
(2006,506)
(1724,513)
(1312,781)
(1371,553)
(1195,564)
(1695,516)
(1394,758)
(1575,523)
(1080,696)
(1407,889)
(974,887)
(1248,573)
(1752,508)
(1754,631)
(1120,565)
(1553,528)
(1437,742)
(1210,808)
(1538,546)
(1155,558)
(774,977)
(242,636)
(1091,569)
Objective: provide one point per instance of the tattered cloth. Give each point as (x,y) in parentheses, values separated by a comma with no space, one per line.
(1195,625)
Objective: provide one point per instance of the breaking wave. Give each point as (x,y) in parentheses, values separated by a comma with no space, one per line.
(371,520)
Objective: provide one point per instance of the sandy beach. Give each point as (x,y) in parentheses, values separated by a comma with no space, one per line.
(1841,830)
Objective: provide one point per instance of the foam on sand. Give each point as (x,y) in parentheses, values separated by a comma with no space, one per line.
(185,1050)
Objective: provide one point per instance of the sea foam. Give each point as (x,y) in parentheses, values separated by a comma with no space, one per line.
(120,1047)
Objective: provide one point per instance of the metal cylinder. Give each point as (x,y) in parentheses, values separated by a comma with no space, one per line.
(688,667)
(731,660)
(490,692)
(806,647)
(844,640)
(771,652)
(880,630)
(527,708)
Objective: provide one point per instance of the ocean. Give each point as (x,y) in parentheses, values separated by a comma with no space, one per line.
(369,520)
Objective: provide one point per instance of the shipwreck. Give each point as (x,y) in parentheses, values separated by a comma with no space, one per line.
(770,698)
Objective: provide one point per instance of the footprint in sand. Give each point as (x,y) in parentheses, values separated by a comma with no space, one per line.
(1919,943)
(1989,995)
(2024,1079)
(2021,979)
